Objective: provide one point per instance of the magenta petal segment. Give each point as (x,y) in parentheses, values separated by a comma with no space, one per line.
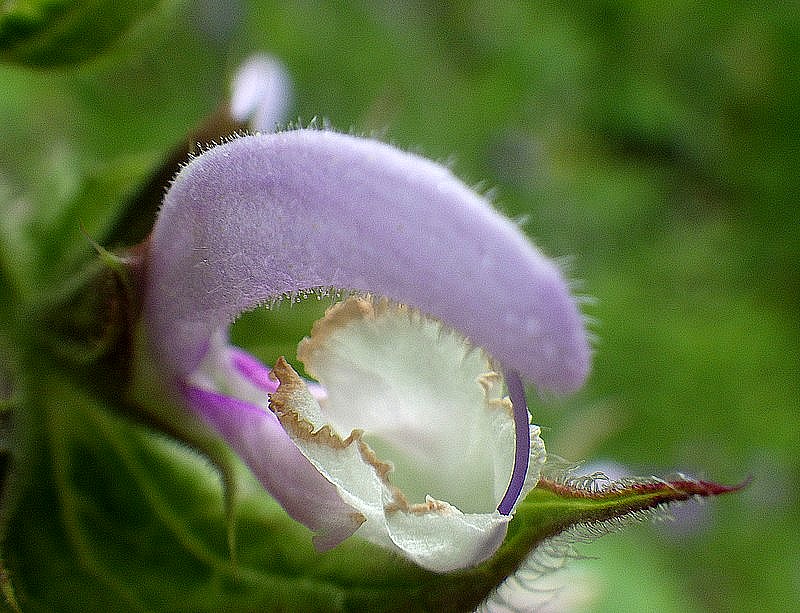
(268,215)
(253,370)
(260,441)
(234,372)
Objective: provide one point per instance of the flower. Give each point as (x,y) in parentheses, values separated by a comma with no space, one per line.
(260,92)
(268,216)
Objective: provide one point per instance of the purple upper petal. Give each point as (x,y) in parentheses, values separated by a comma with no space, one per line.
(267,215)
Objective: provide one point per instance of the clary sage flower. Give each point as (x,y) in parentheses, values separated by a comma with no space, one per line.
(409,442)
(260,92)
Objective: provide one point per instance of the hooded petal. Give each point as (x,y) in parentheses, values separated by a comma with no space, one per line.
(268,215)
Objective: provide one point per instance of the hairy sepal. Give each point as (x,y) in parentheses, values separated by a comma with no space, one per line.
(562,511)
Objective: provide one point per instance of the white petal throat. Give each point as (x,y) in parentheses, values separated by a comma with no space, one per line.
(414,431)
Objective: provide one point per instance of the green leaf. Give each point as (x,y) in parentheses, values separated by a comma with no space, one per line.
(51,33)
(108,515)
(106,510)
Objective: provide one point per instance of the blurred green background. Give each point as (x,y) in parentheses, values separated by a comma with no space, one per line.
(653,146)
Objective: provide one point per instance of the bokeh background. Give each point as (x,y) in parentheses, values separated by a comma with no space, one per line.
(652,146)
